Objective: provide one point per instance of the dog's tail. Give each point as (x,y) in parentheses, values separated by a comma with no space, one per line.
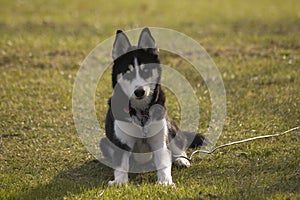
(195,139)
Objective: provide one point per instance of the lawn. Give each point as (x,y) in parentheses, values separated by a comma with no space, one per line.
(256,46)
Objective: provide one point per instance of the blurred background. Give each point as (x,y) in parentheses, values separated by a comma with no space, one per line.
(255,44)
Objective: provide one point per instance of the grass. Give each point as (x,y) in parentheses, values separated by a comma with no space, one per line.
(255,45)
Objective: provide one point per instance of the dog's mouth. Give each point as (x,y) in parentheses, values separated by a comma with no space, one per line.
(139,98)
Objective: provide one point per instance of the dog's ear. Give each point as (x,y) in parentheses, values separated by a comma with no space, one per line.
(121,45)
(146,41)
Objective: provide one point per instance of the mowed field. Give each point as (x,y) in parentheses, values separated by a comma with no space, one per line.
(256,46)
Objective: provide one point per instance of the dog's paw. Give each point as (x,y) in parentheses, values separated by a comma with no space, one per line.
(165,180)
(120,179)
(182,162)
(166,183)
(117,183)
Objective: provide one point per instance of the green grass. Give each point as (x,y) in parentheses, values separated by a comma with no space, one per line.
(255,44)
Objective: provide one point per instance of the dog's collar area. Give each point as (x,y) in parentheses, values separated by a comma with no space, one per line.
(142,113)
(142,116)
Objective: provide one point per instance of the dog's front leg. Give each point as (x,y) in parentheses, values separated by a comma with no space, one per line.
(163,163)
(121,168)
(162,157)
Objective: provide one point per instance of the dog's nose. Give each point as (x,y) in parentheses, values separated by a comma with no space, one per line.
(139,92)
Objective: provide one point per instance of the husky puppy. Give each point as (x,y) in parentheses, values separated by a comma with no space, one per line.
(136,121)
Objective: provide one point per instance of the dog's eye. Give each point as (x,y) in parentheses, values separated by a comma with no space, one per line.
(146,72)
(129,75)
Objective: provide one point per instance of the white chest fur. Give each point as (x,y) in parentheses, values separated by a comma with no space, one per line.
(136,131)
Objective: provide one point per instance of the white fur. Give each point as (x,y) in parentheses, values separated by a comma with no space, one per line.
(162,156)
(127,131)
(121,172)
(158,144)
(120,178)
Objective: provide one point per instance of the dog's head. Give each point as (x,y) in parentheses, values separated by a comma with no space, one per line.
(136,69)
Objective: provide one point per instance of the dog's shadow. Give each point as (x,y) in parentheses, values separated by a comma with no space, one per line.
(91,174)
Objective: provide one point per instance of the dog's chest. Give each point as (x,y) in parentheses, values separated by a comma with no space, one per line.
(142,151)
(142,146)
(137,131)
